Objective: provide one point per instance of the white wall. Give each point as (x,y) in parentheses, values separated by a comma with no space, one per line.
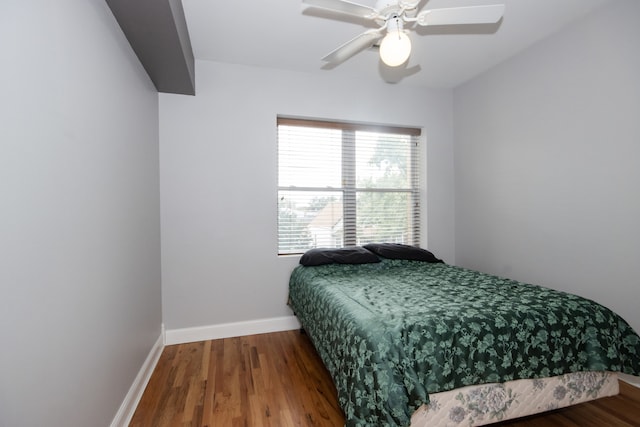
(218,182)
(80,295)
(547,150)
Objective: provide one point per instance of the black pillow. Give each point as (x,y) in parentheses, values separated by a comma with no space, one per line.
(400,251)
(348,255)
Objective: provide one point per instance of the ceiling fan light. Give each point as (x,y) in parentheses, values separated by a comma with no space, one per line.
(395,48)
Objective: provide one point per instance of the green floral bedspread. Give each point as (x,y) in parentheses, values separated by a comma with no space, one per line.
(392,332)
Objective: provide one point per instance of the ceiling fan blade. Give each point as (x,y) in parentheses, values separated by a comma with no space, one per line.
(344,7)
(488,14)
(353,46)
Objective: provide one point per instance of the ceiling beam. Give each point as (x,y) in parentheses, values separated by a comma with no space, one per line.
(157,31)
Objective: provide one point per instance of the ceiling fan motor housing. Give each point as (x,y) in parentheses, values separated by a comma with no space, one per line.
(391,9)
(387,7)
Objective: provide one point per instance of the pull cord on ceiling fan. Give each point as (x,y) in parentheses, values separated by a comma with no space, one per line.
(396,16)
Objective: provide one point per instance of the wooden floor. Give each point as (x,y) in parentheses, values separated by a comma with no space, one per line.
(278,380)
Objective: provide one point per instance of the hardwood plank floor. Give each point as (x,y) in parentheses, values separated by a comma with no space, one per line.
(278,380)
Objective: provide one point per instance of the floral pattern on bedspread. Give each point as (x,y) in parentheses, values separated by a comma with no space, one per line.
(392,332)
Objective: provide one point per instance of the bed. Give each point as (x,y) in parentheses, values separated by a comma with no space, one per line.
(410,340)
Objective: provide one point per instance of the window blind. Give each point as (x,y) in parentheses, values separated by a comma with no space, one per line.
(345,184)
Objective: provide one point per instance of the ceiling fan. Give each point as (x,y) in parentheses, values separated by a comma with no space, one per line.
(395,17)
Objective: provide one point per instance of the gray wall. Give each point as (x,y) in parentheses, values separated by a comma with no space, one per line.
(80,304)
(219,184)
(547,162)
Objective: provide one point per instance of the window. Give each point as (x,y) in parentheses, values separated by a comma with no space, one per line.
(344,184)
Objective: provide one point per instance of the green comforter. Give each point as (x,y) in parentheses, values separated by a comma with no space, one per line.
(391,333)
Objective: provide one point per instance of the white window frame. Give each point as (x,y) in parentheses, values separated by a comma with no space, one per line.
(349,189)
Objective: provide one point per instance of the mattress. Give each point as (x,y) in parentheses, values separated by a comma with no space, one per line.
(395,334)
(489,403)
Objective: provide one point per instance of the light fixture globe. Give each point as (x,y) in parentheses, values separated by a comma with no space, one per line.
(395,48)
(396,45)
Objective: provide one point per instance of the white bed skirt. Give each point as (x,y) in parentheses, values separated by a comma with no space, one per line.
(490,403)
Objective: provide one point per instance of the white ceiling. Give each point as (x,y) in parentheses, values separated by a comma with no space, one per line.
(287,35)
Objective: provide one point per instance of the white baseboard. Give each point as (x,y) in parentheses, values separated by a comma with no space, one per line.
(179,336)
(227,330)
(128,407)
(630,379)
